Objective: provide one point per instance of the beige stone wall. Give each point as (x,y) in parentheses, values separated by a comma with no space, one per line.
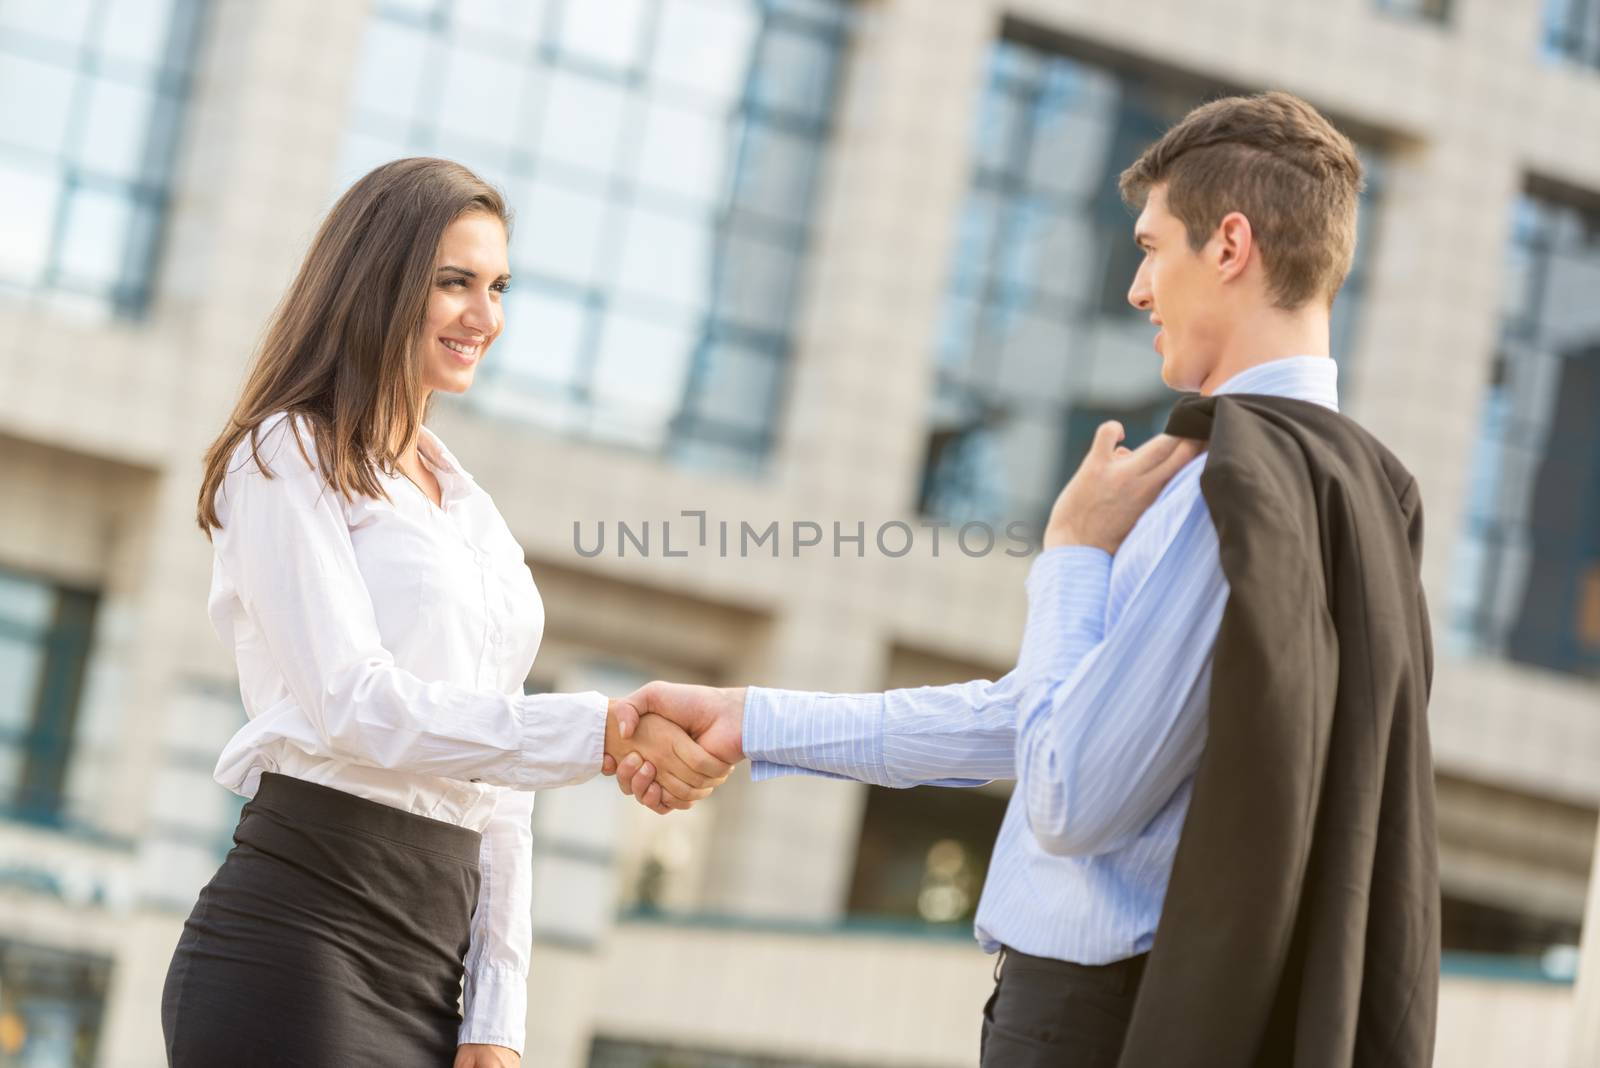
(102,441)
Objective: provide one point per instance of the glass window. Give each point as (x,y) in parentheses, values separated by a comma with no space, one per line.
(684,151)
(545,335)
(519,22)
(923,853)
(42,126)
(1527,573)
(665,258)
(45,636)
(61,23)
(607,35)
(1037,343)
(52,1006)
(389,73)
(661,157)
(793,72)
(1572,31)
(569,229)
(582,123)
(85,167)
(705,45)
(755,281)
(743,382)
(192,816)
(640,368)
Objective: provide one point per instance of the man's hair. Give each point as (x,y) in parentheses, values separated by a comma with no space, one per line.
(1274,158)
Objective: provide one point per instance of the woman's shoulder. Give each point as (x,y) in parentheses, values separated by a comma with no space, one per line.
(282,444)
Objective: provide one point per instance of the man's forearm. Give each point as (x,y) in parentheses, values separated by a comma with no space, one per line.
(789,731)
(961,735)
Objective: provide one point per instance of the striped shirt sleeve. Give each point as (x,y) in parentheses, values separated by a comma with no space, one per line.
(956,735)
(1107,735)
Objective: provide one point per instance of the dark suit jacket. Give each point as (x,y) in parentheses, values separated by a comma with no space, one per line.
(1301,924)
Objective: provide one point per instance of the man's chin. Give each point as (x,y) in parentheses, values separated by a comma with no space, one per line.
(1176,378)
(1170,374)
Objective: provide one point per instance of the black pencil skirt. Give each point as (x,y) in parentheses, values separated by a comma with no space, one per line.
(333,935)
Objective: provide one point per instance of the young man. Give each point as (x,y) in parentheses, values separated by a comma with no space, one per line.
(1108,723)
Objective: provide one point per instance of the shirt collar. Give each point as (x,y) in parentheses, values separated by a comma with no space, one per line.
(443,461)
(1308,378)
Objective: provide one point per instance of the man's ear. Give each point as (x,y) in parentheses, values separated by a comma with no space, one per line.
(1233,245)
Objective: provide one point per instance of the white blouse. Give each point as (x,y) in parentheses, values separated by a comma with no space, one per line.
(382,648)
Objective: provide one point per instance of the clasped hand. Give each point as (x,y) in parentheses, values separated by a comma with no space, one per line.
(1113,486)
(670,744)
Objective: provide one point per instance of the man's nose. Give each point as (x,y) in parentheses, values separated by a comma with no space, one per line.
(1139,291)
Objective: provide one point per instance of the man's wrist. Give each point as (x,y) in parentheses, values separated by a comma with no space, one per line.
(1056,537)
(737,696)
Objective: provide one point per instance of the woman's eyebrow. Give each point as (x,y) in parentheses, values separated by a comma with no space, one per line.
(466,273)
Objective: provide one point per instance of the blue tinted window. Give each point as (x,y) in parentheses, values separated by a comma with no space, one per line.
(661,157)
(1037,343)
(45,635)
(1572,31)
(1527,572)
(85,165)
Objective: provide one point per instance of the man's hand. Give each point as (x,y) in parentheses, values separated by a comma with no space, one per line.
(483,1055)
(682,770)
(713,717)
(1112,488)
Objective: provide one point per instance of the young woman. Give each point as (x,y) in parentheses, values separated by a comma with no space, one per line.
(383,621)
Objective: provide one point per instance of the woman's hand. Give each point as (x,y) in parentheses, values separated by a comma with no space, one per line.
(482,1055)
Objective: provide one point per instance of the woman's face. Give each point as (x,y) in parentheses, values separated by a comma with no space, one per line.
(464,314)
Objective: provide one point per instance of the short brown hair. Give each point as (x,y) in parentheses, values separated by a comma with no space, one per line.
(1274,158)
(341,348)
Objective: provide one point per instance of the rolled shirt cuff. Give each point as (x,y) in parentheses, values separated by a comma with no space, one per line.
(496,1009)
(828,734)
(563,739)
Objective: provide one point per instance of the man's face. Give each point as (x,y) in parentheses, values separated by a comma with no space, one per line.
(1182,292)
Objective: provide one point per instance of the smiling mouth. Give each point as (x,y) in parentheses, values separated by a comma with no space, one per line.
(466,351)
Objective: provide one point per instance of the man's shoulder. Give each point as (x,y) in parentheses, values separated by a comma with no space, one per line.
(1278,438)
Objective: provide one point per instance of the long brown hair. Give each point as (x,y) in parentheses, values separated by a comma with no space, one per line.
(341,347)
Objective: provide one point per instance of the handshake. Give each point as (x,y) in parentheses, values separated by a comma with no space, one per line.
(670,744)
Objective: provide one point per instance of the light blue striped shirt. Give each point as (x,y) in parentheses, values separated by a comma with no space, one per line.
(1101,722)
